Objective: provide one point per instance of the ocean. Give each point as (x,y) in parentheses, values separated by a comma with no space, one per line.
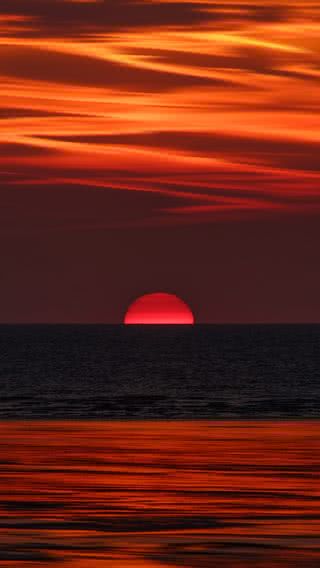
(159,372)
(160,446)
(160,494)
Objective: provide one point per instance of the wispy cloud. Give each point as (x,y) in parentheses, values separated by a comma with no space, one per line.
(212,105)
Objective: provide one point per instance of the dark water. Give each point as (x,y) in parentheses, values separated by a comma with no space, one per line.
(95,372)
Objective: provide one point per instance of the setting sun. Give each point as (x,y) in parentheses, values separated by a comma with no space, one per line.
(159,308)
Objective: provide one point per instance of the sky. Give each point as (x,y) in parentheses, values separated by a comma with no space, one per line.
(159,146)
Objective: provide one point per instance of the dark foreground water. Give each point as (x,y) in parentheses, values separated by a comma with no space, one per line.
(93,372)
(165,494)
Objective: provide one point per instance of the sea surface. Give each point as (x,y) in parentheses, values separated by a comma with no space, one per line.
(160,446)
(159,372)
(160,494)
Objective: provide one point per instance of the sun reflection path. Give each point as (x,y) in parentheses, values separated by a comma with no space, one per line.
(160,494)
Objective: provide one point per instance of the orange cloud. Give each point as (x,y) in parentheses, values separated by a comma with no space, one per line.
(230,105)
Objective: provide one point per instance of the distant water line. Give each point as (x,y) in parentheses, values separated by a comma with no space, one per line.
(159,372)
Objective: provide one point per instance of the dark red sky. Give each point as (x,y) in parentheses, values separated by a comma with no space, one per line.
(159,145)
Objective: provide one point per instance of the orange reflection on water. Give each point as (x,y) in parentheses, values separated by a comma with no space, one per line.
(160,494)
